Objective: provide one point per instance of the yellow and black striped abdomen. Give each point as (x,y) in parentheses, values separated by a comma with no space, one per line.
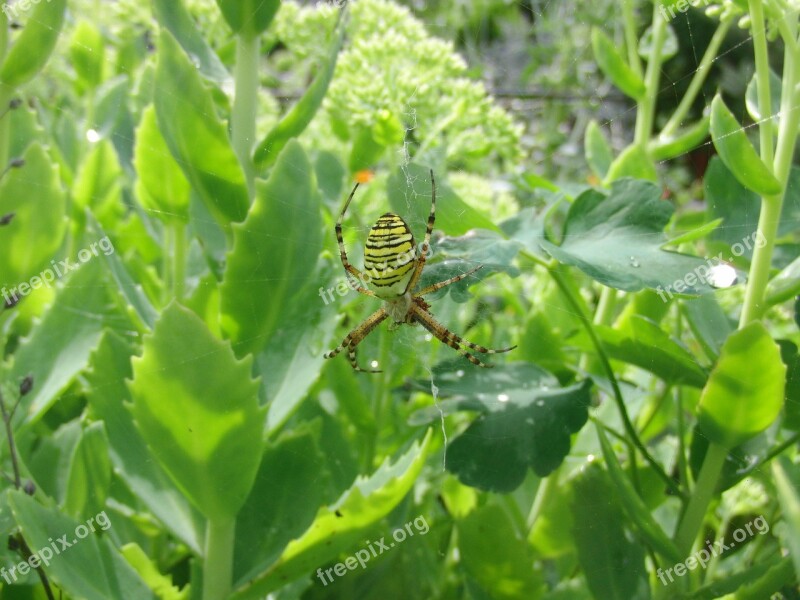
(389,256)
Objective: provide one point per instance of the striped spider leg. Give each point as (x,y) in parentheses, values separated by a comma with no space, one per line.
(393,267)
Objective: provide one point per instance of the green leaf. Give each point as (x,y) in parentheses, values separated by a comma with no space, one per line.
(89,474)
(34,45)
(196,407)
(744,393)
(616,239)
(274,252)
(108,398)
(172,15)
(632,162)
(496,556)
(612,563)
(615,67)
(668,50)
(299,116)
(162,187)
(525,417)
(60,344)
(291,485)
(409,191)
(643,343)
(751,99)
(597,149)
(693,235)
(90,567)
(791,358)
(738,153)
(680,142)
(197,139)
(148,571)
(341,527)
(248,16)
(709,323)
(31,239)
(633,504)
(87,53)
(785,285)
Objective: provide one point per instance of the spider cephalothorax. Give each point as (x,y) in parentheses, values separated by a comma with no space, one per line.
(394,265)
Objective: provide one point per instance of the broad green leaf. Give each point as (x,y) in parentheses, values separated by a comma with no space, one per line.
(788,487)
(291,485)
(681,142)
(744,392)
(90,567)
(60,344)
(633,504)
(496,556)
(196,407)
(250,17)
(172,15)
(89,474)
(643,343)
(108,397)
(87,54)
(299,116)
(612,563)
(525,417)
(785,285)
(197,138)
(98,185)
(342,526)
(709,323)
(751,99)
(633,162)
(738,153)
(162,186)
(29,242)
(32,48)
(616,239)
(409,191)
(615,67)
(274,254)
(597,149)
(371,142)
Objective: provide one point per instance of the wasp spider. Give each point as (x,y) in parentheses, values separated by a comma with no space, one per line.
(390,255)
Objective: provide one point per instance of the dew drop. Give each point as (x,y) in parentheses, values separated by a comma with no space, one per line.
(374,364)
(634,263)
(502,397)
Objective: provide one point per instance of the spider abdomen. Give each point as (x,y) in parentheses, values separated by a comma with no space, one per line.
(389,256)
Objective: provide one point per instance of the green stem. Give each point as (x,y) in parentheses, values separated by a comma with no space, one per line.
(630,430)
(178,260)
(218,558)
(243,118)
(699,78)
(698,503)
(167,264)
(771,206)
(647,105)
(546,486)
(759,32)
(631,41)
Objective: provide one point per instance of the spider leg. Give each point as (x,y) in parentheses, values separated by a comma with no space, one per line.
(343,252)
(427,243)
(356,336)
(451,339)
(437,286)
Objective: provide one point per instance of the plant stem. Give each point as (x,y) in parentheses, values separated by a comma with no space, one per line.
(631,41)
(771,206)
(692,519)
(178,260)
(758,30)
(647,105)
(620,401)
(218,558)
(243,118)
(699,78)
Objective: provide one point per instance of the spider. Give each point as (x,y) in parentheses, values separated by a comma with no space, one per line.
(390,255)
